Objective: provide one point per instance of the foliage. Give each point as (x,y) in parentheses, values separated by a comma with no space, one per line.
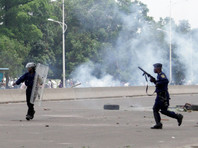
(94,27)
(12,54)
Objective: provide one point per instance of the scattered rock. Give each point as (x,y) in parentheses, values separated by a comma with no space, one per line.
(173,137)
(46,109)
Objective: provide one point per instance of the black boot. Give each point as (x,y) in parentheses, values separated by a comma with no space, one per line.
(179,119)
(33,114)
(28,117)
(157,126)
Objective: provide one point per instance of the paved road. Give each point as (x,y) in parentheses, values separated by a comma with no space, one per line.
(84,124)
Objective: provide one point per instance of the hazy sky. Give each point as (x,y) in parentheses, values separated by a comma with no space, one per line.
(181,9)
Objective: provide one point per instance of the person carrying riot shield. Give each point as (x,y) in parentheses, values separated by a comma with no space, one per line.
(28,78)
(35,81)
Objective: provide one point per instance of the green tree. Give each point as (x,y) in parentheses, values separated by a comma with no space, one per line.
(91,25)
(11,55)
(25,23)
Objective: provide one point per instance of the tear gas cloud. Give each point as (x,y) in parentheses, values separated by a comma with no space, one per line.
(187,54)
(140,49)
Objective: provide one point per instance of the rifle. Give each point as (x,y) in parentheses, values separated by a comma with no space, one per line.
(146,74)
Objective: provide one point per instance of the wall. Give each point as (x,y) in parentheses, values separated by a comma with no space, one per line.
(15,95)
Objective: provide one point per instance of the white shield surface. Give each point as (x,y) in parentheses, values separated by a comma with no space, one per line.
(39,82)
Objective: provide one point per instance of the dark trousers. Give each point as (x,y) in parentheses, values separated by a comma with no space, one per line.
(161,104)
(30,105)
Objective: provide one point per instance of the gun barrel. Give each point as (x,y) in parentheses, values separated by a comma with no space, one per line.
(141,69)
(145,72)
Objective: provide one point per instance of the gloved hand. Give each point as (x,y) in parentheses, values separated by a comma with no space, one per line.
(152,80)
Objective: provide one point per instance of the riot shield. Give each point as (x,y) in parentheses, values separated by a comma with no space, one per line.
(39,82)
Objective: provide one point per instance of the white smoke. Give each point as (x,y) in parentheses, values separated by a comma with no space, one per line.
(84,74)
(187,54)
(142,50)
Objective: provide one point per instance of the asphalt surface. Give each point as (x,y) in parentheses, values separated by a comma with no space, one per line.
(85,124)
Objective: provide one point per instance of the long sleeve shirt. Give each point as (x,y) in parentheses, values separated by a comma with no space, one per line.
(161,83)
(28,78)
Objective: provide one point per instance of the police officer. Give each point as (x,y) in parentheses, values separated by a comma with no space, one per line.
(28,78)
(162,98)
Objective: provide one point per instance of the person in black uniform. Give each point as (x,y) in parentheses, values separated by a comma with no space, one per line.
(162,98)
(28,78)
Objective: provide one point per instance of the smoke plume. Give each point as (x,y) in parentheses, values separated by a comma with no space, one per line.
(138,45)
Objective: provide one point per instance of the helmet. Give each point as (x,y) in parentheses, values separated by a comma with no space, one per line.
(30,65)
(157,65)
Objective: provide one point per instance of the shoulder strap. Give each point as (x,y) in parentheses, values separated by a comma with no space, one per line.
(147,86)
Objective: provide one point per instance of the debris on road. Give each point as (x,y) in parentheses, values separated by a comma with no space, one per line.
(187,107)
(46,109)
(111,107)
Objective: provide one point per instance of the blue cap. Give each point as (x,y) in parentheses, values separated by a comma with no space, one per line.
(157,65)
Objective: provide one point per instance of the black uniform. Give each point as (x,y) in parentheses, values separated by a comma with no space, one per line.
(162,101)
(28,78)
